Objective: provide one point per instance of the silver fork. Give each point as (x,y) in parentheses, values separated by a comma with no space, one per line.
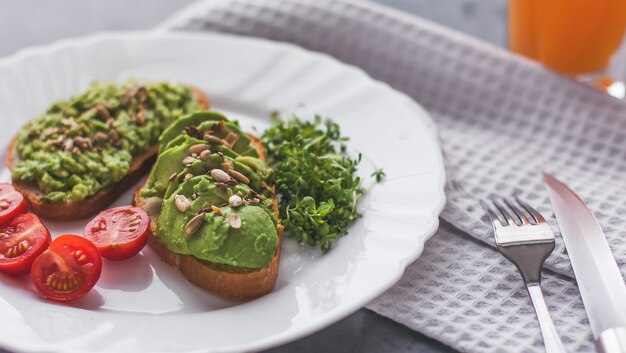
(525,239)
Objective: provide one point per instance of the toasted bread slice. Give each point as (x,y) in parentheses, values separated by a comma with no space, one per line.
(227,281)
(93,204)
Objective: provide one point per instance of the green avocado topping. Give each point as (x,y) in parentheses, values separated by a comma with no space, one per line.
(216,205)
(87,143)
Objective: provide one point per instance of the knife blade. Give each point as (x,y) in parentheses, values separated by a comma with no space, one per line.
(600,282)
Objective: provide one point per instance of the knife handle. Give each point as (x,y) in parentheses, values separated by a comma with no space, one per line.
(612,340)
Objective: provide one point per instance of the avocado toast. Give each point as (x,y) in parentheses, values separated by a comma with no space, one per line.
(84,152)
(212,213)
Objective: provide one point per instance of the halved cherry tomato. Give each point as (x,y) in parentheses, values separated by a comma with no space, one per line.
(119,233)
(21,241)
(12,202)
(68,269)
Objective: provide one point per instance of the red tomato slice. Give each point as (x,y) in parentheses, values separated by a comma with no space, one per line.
(119,233)
(68,269)
(12,203)
(21,241)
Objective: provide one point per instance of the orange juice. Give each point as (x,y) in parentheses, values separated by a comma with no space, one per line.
(571,36)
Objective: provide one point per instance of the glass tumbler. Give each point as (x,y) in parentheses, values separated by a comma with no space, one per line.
(581,38)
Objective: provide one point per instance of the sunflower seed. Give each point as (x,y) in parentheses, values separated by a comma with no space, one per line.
(49,131)
(102,111)
(140,117)
(194,224)
(128,95)
(68,145)
(187,161)
(199,148)
(58,142)
(240,177)
(216,210)
(204,155)
(82,142)
(182,203)
(113,135)
(214,139)
(234,220)
(69,122)
(142,93)
(235,201)
(220,175)
(100,136)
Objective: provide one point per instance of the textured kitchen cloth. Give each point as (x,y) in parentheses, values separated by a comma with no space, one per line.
(471,298)
(501,121)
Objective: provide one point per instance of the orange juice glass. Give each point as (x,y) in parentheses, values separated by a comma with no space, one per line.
(575,37)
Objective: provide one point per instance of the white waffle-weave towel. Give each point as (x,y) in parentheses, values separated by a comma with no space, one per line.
(502,120)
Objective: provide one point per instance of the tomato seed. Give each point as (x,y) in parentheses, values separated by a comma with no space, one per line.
(62,282)
(23,246)
(17,250)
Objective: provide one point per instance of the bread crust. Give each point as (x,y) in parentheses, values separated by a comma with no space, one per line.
(74,210)
(227,281)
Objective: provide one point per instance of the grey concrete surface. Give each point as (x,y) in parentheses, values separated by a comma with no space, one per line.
(24,23)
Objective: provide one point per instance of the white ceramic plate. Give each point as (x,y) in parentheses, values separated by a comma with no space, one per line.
(143,305)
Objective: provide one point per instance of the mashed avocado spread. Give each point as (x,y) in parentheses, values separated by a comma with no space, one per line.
(87,143)
(216,205)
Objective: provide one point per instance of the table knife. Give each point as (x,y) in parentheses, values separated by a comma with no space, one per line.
(600,282)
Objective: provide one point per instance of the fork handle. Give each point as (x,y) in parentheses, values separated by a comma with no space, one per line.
(551,339)
(612,340)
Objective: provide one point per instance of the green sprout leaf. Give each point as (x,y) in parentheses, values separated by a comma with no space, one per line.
(315,179)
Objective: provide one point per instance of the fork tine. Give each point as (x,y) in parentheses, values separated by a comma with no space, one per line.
(493,217)
(506,214)
(518,212)
(534,213)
